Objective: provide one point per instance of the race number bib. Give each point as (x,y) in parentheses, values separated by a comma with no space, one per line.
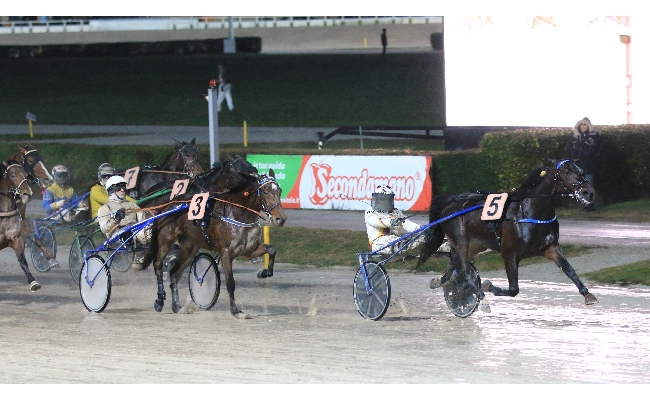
(197,206)
(180,187)
(494,205)
(131,177)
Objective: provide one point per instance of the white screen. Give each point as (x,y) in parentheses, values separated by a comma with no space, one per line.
(502,71)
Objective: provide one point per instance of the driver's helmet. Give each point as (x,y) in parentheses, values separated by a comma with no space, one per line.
(383,199)
(113,182)
(61,174)
(104,172)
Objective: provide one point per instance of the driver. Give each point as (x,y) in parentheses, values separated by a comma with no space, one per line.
(57,195)
(98,195)
(113,215)
(385,224)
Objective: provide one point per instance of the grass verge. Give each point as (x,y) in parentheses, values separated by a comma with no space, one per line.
(637,273)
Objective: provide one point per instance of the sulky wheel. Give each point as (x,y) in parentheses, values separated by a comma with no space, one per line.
(460,298)
(372,305)
(123,258)
(47,239)
(95,284)
(76,259)
(205,281)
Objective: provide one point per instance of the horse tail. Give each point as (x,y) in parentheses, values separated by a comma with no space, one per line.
(434,234)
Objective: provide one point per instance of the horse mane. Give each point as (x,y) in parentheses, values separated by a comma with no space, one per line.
(532,181)
(244,174)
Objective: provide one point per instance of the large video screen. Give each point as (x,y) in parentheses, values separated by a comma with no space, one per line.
(542,71)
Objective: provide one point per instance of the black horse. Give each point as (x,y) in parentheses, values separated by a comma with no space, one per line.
(181,163)
(528,227)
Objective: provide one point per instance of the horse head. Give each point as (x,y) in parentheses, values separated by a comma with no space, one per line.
(189,155)
(17,181)
(573,183)
(32,162)
(270,196)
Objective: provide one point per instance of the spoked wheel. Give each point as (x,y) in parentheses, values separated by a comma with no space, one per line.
(460,298)
(81,244)
(374,305)
(122,259)
(95,284)
(205,281)
(46,236)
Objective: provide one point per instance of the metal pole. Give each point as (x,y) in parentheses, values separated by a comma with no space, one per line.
(213,118)
(361,138)
(628,72)
(231,29)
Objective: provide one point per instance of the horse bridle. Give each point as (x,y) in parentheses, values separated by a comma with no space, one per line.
(32,179)
(14,189)
(581,180)
(264,180)
(185,154)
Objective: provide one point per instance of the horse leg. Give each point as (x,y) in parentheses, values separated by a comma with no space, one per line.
(512,271)
(184,260)
(157,267)
(162,296)
(259,252)
(19,249)
(226,265)
(554,253)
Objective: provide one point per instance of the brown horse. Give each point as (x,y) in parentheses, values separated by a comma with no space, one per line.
(230,228)
(32,162)
(14,191)
(181,162)
(527,227)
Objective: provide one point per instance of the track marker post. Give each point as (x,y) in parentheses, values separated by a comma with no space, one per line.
(30,118)
(245,135)
(267,240)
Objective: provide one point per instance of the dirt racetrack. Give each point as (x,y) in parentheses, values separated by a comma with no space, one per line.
(305,329)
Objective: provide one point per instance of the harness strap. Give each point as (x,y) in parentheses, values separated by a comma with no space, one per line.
(9,213)
(238,223)
(536,221)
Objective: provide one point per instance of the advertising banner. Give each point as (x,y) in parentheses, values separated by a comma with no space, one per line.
(347,182)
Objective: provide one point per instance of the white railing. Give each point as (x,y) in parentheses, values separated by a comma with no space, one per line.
(173,23)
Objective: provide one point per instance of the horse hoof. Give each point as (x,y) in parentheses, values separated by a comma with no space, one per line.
(485,307)
(485,285)
(242,315)
(54,264)
(435,283)
(263,273)
(590,299)
(34,286)
(157,306)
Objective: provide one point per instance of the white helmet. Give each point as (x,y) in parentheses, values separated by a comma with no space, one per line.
(112,182)
(384,189)
(61,174)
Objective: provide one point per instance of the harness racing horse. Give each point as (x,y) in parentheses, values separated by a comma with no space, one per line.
(32,163)
(528,227)
(230,227)
(182,161)
(14,191)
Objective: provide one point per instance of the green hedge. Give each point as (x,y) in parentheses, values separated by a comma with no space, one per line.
(504,159)
(461,172)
